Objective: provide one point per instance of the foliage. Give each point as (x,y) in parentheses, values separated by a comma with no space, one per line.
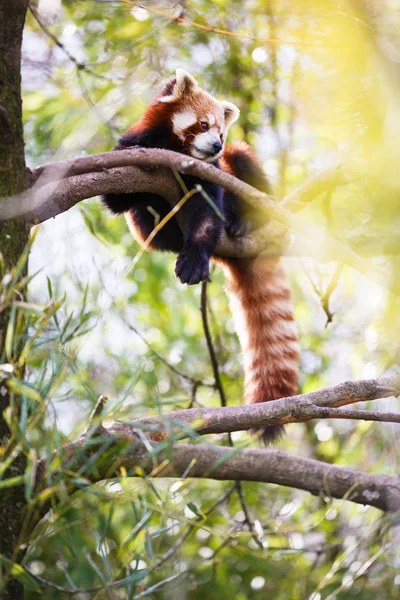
(325,95)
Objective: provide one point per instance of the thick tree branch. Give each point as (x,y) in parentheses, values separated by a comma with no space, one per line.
(274,466)
(146,158)
(128,446)
(222,463)
(59,186)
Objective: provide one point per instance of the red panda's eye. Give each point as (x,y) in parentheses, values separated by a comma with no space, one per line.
(221,137)
(204,125)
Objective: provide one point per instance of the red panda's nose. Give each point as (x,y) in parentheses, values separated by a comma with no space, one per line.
(217,146)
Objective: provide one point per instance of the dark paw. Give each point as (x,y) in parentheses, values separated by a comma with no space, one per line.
(192,266)
(237,229)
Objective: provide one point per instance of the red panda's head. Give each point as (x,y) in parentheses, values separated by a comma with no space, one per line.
(199,121)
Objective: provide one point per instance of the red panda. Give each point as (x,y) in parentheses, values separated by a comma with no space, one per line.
(186,119)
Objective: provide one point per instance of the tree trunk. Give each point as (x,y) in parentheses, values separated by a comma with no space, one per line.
(13,237)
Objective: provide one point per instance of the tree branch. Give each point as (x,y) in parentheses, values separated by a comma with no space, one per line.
(58,186)
(222,463)
(275,466)
(294,409)
(128,446)
(322,182)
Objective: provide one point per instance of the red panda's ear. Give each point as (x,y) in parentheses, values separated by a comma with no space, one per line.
(185,83)
(231,113)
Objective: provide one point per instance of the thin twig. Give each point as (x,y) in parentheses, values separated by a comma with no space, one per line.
(78,64)
(210,346)
(192,380)
(50,584)
(221,392)
(159,584)
(324,297)
(356,415)
(85,93)
(210,29)
(193,399)
(141,40)
(331,287)
(94,425)
(190,528)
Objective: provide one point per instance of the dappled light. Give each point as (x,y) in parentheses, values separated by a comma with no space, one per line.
(130,465)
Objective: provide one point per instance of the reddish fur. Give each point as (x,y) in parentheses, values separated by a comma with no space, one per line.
(260,297)
(262,309)
(231,152)
(159,115)
(156,116)
(260,300)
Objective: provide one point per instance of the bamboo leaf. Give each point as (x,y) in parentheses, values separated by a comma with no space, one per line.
(9,343)
(23,389)
(20,574)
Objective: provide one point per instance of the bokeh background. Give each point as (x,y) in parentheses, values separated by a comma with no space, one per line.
(317,82)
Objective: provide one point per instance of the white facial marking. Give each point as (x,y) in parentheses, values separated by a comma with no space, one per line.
(204,141)
(167,99)
(211,119)
(183,120)
(203,146)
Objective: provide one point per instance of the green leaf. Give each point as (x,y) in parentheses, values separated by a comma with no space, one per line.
(12,482)
(9,343)
(23,259)
(30,474)
(49,287)
(30,308)
(91,227)
(195,510)
(23,389)
(20,574)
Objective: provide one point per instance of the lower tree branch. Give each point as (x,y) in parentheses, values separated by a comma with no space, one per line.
(222,463)
(274,466)
(128,446)
(355,415)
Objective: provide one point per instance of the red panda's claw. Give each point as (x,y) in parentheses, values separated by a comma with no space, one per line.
(192,266)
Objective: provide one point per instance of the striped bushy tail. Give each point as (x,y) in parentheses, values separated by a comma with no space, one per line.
(260,300)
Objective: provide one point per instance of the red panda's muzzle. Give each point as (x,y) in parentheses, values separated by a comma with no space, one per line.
(206,146)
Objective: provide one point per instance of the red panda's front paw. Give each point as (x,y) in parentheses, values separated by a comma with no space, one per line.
(192,265)
(237,229)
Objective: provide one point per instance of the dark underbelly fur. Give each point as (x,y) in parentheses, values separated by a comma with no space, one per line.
(170,236)
(203,225)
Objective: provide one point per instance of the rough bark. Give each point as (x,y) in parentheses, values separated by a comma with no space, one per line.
(123,445)
(61,185)
(295,409)
(222,463)
(13,237)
